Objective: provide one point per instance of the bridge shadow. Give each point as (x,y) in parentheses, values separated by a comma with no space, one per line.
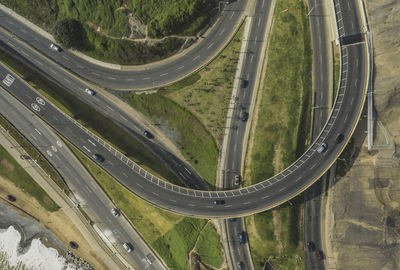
(344,162)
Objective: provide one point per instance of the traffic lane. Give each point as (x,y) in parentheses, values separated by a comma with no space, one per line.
(109,109)
(322,83)
(73,172)
(244,201)
(140,79)
(350,17)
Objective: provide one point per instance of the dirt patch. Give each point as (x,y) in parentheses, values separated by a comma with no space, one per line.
(9,167)
(277,230)
(366,201)
(57,222)
(278,158)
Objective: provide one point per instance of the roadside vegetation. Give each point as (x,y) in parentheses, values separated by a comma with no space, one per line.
(192,112)
(34,154)
(106,25)
(13,172)
(280,134)
(336,71)
(172,236)
(91,119)
(277,237)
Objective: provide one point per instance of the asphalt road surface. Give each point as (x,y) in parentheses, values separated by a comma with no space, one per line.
(239,252)
(265,195)
(322,83)
(313,196)
(103,105)
(149,76)
(86,192)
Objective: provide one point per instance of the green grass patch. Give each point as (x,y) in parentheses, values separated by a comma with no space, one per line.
(13,172)
(192,112)
(176,244)
(276,236)
(281,133)
(92,119)
(163,18)
(209,246)
(172,17)
(127,52)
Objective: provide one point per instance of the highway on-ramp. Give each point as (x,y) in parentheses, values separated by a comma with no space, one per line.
(262,196)
(146,76)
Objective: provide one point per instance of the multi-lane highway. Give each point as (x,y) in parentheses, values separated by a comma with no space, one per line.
(322,86)
(239,251)
(146,76)
(86,193)
(265,195)
(103,105)
(345,11)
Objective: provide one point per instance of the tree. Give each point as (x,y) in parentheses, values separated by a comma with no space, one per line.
(69,33)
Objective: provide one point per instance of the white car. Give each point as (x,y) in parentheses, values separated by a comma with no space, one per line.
(128,247)
(55,47)
(90,91)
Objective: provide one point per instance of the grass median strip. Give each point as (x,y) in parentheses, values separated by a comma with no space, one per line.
(280,132)
(192,112)
(171,235)
(91,118)
(336,71)
(11,170)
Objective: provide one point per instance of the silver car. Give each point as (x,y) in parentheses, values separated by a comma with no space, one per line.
(55,47)
(322,148)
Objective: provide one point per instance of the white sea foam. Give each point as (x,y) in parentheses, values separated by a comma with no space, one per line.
(35,257)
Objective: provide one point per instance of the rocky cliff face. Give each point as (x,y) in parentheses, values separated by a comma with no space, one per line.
(364,205)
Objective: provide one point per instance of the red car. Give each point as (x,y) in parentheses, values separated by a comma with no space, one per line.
(320,255)
(11,198)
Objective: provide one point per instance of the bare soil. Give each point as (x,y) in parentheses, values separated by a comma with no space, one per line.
(364,231)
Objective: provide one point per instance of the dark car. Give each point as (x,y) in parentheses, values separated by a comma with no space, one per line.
(240,265)
(11,198)
(98,157)
(339,138)
(115,212)
(148,134)
(311,246)
(242,238)
(320,255)
(244,83)
(219,202)
(244,116)
(73,245)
